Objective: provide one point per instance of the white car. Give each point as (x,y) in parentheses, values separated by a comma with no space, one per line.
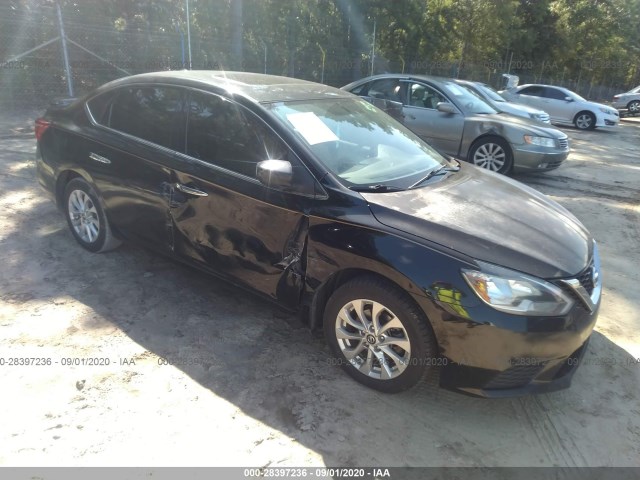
(629,101)
(564,106)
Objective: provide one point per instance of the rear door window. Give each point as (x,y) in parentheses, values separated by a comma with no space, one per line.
(534,91)
(152,113)
(554,93)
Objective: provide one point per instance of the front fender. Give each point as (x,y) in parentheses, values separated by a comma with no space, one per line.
(429,274)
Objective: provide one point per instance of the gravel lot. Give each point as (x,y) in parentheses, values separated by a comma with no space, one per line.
(250,386)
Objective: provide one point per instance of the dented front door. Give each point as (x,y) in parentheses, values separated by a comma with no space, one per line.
(234,226)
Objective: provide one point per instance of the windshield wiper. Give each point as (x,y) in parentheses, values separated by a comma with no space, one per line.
(437,171)
(380,188)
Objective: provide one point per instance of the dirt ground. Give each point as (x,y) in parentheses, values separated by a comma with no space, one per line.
(249,385)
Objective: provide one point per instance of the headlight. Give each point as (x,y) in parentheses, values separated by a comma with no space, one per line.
(607,111)
(514,292)
(541,141)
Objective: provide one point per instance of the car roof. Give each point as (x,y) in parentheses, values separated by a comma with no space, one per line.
(542,85)
(254,86)
(435,80)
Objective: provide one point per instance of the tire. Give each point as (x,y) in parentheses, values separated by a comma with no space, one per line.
(634,107)
(585,121)
(492,153)
(387,358)
(86,219)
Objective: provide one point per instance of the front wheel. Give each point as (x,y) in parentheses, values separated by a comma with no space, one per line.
(86,219)
(378,335)
(585,121)
(492,153)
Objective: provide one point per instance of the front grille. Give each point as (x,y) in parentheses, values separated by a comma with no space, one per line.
(586,279)
(514,377)
(609,122)
(563,143)
(544,118)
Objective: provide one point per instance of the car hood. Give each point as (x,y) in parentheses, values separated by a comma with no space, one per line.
(491,218)
(528,125)
(515,108)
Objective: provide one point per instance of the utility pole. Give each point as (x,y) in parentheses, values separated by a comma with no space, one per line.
(65,53)
(373,48)
(188,34)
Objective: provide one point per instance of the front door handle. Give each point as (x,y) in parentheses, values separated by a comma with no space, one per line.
(99,158)
(190,190)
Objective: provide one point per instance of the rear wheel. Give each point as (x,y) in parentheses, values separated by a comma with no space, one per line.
(86,219)
(634,107)
(585,121)
(378,335)
(492,153)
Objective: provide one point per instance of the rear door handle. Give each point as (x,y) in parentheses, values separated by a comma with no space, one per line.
(190,190)
(99,158)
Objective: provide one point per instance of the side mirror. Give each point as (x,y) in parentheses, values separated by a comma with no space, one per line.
(274,173)
(568,99)
(445,107)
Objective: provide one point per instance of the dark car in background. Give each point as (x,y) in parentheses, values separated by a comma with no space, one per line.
(460,124)
(319,201)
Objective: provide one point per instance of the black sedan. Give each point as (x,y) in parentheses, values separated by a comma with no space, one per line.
(321,202)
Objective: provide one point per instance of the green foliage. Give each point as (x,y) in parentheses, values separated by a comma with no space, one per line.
(595,41)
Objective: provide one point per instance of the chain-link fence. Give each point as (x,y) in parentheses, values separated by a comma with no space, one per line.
(32,67)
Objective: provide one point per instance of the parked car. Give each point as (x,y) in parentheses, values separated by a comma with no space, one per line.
(321,202)
(629,101)
(458,123)
(492,97)
(564,106)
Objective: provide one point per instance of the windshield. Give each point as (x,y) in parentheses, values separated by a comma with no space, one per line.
(490,92)
(470,102)
(360,144)
(635,90)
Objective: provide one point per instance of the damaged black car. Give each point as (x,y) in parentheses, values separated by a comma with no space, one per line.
(409,262)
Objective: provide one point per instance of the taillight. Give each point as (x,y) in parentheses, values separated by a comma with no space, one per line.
(41,127)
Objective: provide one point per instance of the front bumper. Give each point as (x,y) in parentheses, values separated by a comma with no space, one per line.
(530,158)
(486,353)
(605,120)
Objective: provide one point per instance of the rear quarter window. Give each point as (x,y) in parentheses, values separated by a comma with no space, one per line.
(100,106)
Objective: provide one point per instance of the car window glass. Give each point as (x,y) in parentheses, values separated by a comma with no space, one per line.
(155,114)
(99,107)
(359,89)
(469,101)
(554,93)
(387,89)
(534,91)
(359,143)
(490,93)
(424,96)
(225,134)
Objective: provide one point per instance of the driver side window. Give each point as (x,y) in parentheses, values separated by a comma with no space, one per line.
(226,134)
(424,96)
